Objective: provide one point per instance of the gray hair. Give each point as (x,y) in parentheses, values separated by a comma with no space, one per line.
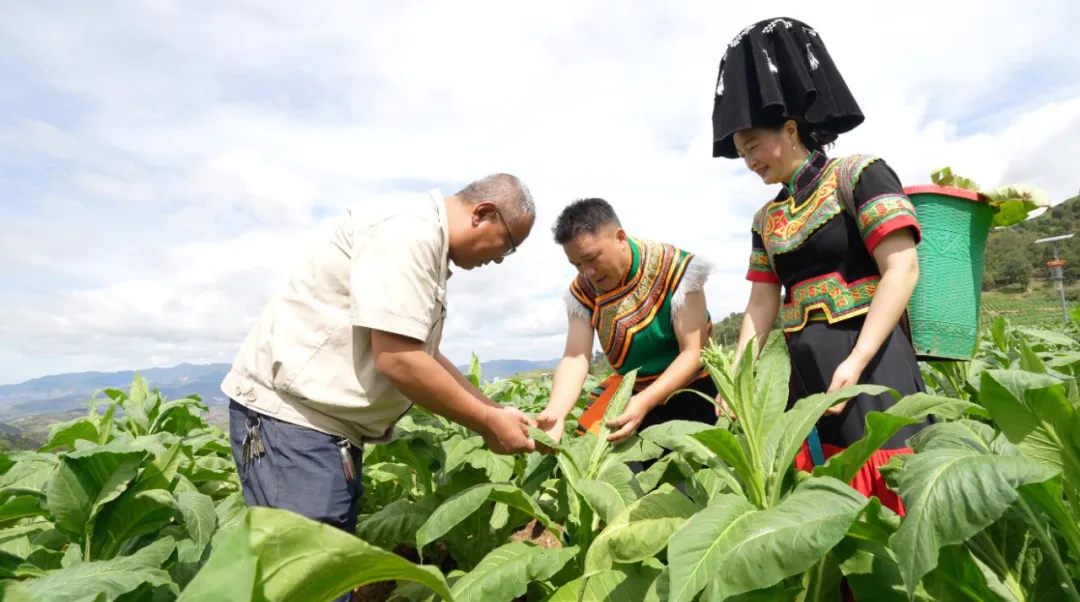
(507,192)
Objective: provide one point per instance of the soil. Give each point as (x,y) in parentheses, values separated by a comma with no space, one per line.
(536,534)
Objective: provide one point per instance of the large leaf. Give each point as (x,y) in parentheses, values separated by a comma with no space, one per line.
(270,556)
(746,549)
(729,449)
(111,578)
(950,495)
(199,518)
(794,426)
(602,498)
(133,514)
(397,522)
(627,583)
(642,530)
(459,507)
(921,405)
(674,435)
(85,480)
(65,434)
(505,573)
(1033,412)
(880,427)
(30,473)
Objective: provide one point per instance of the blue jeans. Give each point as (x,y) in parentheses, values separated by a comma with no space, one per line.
(300,471)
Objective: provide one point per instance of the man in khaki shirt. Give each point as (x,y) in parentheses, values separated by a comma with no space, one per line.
(338,356)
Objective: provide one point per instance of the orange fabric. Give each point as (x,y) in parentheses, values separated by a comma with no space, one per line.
(590,419)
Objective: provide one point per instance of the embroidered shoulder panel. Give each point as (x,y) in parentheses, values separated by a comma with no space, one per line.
(882,209)
(836,298)
(624,312)
(785,226)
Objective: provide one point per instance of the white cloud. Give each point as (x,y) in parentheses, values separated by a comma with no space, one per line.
(162,163)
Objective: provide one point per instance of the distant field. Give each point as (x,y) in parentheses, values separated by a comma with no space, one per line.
(1033,308)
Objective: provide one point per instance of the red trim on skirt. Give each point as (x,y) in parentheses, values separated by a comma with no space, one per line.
(868,481)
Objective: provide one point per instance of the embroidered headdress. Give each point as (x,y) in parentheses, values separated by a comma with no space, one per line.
(777,69)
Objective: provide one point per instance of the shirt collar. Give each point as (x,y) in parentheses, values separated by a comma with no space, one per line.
(439,201)
(807,173)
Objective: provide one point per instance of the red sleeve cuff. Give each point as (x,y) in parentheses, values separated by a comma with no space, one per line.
(874,237)
(757,276)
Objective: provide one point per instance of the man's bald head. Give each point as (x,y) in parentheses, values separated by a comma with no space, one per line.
(507,192)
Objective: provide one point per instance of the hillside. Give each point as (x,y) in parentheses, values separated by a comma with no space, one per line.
(60,393)
(1013,260)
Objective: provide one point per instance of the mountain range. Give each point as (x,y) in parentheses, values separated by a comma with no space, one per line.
(63,392)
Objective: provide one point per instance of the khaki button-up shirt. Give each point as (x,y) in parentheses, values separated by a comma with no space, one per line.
(308,360)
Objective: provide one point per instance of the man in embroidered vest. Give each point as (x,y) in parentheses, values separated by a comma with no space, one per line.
(645,302)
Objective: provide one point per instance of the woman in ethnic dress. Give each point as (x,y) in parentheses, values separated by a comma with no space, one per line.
(846,280)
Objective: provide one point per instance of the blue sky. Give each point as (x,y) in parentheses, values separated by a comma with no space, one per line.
(162,163)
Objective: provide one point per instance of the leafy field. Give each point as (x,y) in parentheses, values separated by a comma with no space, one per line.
(1038,307)
(147,506)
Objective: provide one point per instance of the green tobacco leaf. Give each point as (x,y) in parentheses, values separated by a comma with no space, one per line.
(397,522)
(950,495)
(199,518)
(229,573)
(641,531)
(133,514)
(499,468)
(794,427)
(505,573)
(112,578)
(30,472)
(18,507)
(615,408)
(627,583)
(1029,361)
(880,427)
(921,405)
(456,450)
(1032,411)
(89,478)
(541,436)
(674,435)
(65,434)
(602,498)
(773,371)
(746,549)
(291,569)
(623,480)
(728,448)
(462,505)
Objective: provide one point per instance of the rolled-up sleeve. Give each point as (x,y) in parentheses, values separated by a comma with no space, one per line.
(394,278)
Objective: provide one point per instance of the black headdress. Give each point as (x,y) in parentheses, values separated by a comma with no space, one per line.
(777,69)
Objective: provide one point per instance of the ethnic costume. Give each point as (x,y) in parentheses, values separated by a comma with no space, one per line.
(635,322)
(805,240)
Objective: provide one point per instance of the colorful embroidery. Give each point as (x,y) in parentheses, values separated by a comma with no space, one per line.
(885,214)
(620,314)
(836,298)
(760,269)
(785,226)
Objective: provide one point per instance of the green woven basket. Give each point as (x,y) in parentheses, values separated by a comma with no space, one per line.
(945,306)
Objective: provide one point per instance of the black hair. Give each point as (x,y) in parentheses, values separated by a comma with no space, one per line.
(814,138)
(583,216)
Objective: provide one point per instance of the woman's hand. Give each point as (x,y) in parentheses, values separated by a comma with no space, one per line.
(847,374)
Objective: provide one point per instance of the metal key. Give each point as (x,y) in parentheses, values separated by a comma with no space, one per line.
(347,464)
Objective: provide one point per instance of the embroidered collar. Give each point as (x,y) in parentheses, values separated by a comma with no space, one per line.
(806,174)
